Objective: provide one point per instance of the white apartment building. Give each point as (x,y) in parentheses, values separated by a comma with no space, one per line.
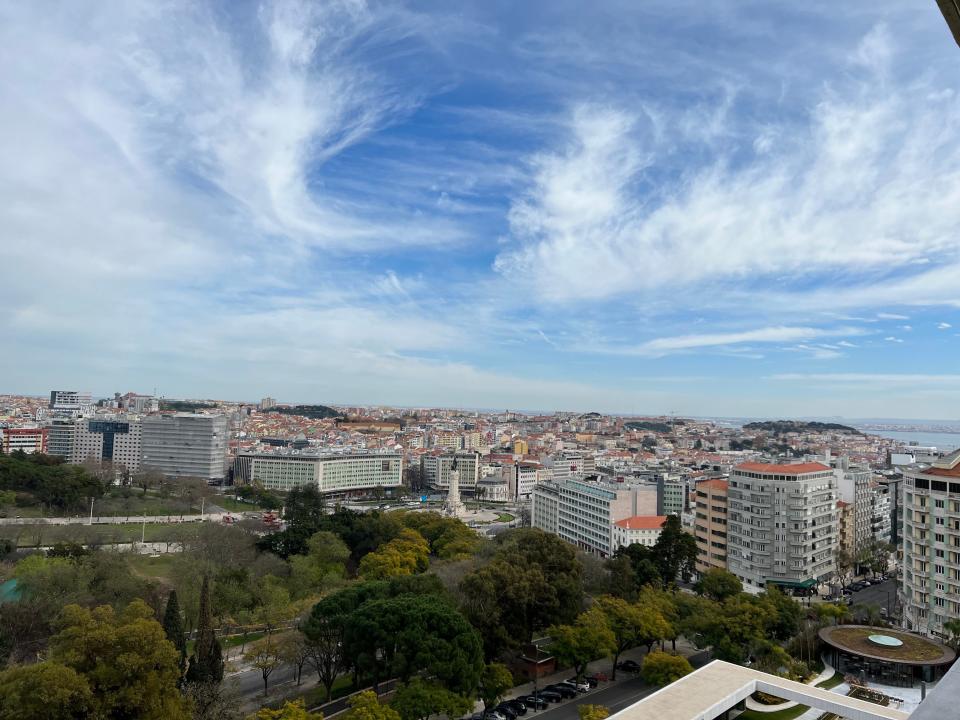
(572,465)
(931,545)
(781,524)
(355,473)
(522,478)
(583,513)
(186,445)
(70,400)
(435,470)
(117,439)
(640,530)
(853,487)
(881,512)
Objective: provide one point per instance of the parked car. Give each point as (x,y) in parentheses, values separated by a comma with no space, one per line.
(534,702)
(628,666)
(507,712)
(581,685)
(516,705)
(550,696)
(494,715)
(597,678)
(566,691)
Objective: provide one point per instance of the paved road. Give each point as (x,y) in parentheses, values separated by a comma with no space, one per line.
(616,696)
(249,684)
(884,595)
(115,520)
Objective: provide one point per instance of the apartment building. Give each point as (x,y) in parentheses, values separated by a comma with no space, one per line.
(881,512)
(62,436)
(846,536)
(782,524)
(671,492)
(931,545)
(347,474)
(583,513)
(435,470)
(854,488)
(710,525)
(26,440)
(572,465)
(69,400)
(186,445)
(117,439)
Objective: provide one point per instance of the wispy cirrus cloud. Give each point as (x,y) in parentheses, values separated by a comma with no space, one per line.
(774,334)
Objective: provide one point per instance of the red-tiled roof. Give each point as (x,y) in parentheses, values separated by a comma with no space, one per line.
(842,504)
(714,484)
(944,472)
(642,522)
(774,469)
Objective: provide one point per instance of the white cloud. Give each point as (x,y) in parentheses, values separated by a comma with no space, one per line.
(908,328)
(893,339)
(881,379)
(846,344)
(891,316)
(668,345)
(944,326)
(870,186)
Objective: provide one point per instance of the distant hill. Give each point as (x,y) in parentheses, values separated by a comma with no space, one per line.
(651,425)
(314,412)
(185,405)
(779,427)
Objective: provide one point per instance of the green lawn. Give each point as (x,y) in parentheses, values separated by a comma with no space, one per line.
(831,682)
(505,517)
(788,714)
(34,535)
(228,502)
(149,566)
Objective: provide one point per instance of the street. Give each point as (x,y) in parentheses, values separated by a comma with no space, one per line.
(884,595)
(615,696)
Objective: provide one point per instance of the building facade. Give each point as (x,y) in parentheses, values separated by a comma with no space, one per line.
(853,487)
(435,470)
(186,445)
(710,526)
(26,440)
(640,530)
(356,473)
(116,439)
(782,525)
(62,437)
(69,400)
(930,593)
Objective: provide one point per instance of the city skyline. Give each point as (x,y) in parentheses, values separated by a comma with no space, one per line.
(737,212)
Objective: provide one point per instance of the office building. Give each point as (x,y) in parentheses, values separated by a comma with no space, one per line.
(931,546)
(671,494)
(26,440)
(572,465)
(356,473)
(435,470)
(521,479)
(186,445)
(583,513)
(116,439)
(782,525)
(637,530)
(69,400)
(710,525)
(62,436)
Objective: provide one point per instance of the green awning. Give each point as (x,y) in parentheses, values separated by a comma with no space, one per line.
(801,584)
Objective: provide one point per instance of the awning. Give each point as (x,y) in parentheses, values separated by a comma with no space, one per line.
(800,584)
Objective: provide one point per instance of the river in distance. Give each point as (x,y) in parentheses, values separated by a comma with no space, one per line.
(941,441)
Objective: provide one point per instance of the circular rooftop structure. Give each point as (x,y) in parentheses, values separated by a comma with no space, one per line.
(887,644)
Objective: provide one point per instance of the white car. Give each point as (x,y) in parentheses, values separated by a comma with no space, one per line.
(580,685)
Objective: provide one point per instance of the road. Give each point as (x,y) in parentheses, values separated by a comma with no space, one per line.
(249,684)
(615,696)
(884,595)
(115,520)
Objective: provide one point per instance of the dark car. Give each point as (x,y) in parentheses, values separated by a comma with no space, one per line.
(597,678)
(550,696)
(628,666)
(517,704)
(508,712)
(565,691)
(534,702)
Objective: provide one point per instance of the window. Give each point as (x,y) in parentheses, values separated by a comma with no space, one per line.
(938,569)
(939,503)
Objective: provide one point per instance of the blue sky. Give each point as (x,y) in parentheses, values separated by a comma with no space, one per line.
(638,207)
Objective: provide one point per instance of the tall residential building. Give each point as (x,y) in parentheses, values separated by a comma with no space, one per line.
(267,403)
(931,545)
(186,445)
(583,513)
(116,439)
(62,437)
(853,487)
(356,473)
(69,400)
(782,524)
(670,495)
(26,440)
(846,535)
(435,470)
(881,513)
(710,527)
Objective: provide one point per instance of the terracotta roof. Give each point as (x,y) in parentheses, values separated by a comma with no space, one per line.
(948,467)
(642,522)
(842,504)
(714,483)
(774,469)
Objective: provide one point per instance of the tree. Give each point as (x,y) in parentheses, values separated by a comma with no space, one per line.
(661,668)
(173,628)
(718,584)
(833,611)
(844,561)
(644,569)
(273,604)
(630,624)
(46,690)
(953,629)
(623,580)
(324,638)
(294,650)
(786,613)
(295,710)
(404,555)
(323,567)
(593,712)
(265,655)
(418,700)
(588,638)
(206,663)
(126,659)
(365,706)
(675,552)
(494,681)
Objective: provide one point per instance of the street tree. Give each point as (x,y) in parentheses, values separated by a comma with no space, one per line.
(593,712)
(294,650)
(290,710)
(630,624)
(718,584)
(661,668)
(206,663)
(495,680)
(365,706)
(675,552)
(324,636)
(589,637)
(266,655)
(419,699)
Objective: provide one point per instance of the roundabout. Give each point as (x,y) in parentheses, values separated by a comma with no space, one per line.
(885,655)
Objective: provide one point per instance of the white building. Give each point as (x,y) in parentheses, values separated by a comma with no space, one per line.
(70,400)
(186,445)
(782,524)
(25,440)
(117,439)
(435,470)
(853,487)
(356,473)
(583,513)
(637,530)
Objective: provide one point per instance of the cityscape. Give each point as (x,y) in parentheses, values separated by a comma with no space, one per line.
(403,360)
